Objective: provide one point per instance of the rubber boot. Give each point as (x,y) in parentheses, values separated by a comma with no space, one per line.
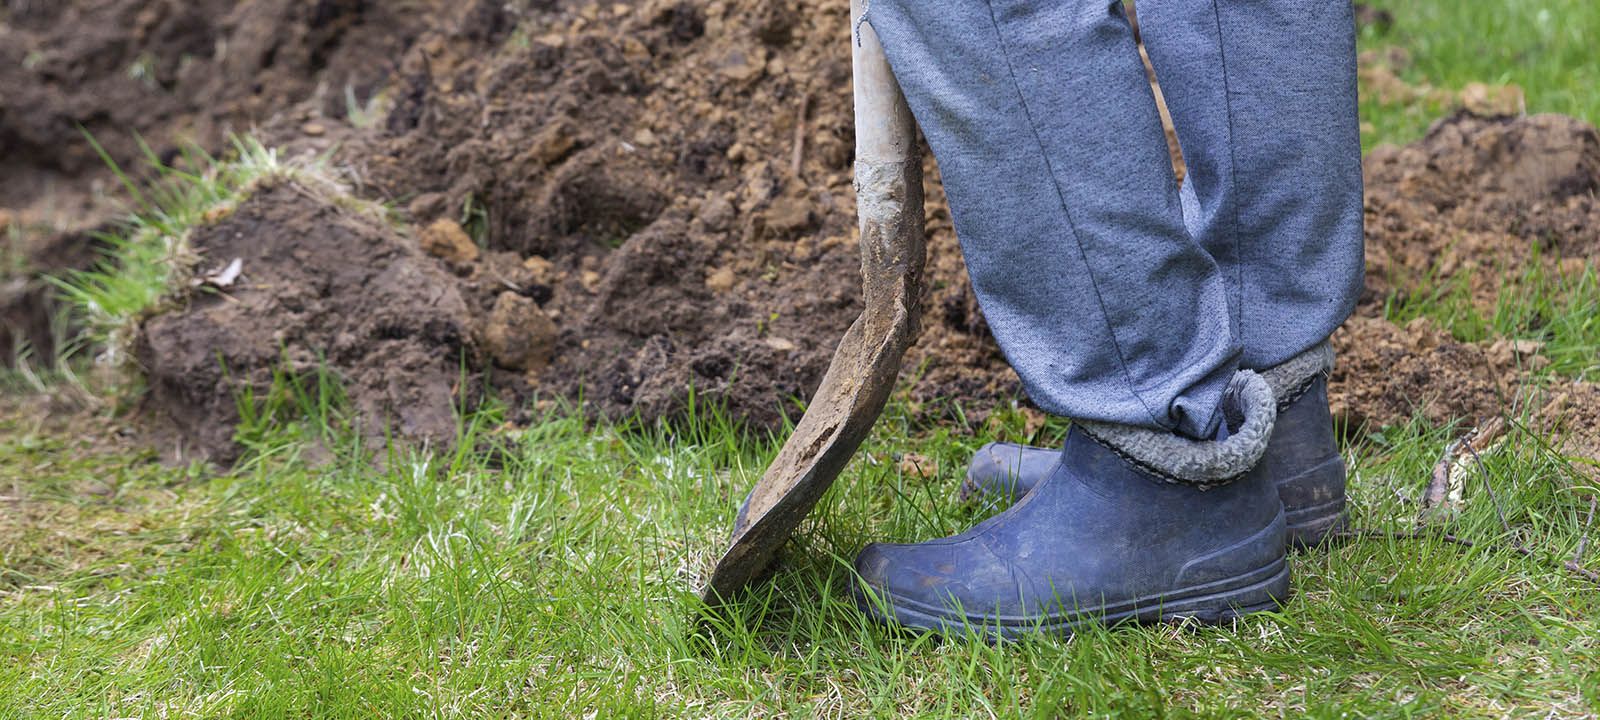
(1100,539)
(1302,460)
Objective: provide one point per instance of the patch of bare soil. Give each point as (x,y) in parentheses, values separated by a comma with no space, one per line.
(1480,198)
(1574,411)
(1387,374)
(683,171)
(1476,195)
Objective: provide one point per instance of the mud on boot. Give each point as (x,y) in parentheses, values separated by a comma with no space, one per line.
(1101,539)
(1302,457)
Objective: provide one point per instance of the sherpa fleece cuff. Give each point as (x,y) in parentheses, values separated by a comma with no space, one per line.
(1291,379)
(1202,463)
(1253,398)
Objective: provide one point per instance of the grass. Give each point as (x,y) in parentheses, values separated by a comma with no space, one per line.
(1545,47)
(545,570)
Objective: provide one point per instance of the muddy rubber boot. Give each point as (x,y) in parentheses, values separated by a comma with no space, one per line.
(1101,539)
(1302,457)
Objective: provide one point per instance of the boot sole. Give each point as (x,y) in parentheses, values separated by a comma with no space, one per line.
(1263,589)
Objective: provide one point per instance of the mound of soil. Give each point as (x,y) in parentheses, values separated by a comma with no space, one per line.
(1477,195)
(684,170)
(1480,198)
(1387,374)
(320,287)
(170,71)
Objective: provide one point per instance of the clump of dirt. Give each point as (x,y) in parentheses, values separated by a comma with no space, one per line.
(322,287)
(1574,410)
(1387,374)
(1476,195)
(1480,198)
(683,170)
(170,70)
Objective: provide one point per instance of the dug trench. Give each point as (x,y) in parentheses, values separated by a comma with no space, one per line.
(641,206)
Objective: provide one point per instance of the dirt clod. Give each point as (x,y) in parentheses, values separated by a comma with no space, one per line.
(517,334)
(1387,374)
(325,289)
(444,239)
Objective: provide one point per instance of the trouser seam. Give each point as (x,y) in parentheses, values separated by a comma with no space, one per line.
(1233,180)
(1160,420)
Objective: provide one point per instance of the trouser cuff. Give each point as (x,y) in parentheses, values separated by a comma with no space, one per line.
(1250,409)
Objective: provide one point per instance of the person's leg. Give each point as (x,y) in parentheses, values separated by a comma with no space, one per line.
(1054,161)
(1263,96)
(1056,169)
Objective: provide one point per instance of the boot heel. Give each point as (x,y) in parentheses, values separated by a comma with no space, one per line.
(1309,530)
(1314,503)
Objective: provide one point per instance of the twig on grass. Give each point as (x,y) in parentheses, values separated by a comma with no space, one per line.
(1436,499)
(1480,438)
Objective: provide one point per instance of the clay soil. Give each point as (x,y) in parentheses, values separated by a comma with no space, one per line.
(630,206)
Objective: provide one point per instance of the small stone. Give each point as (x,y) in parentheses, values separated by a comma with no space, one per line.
(543,271)
(590,280)
(518,335)
(446,240)
(741,65)
(716,214)
(787,216)
(779,344)
(635,50)
(720,280)
(314,129)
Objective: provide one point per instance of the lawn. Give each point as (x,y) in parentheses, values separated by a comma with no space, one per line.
(545,570)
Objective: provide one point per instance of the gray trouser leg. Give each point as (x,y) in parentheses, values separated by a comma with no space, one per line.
(1056,168)
(1263,95)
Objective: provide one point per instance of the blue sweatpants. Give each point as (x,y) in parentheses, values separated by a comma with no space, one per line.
(1109,302)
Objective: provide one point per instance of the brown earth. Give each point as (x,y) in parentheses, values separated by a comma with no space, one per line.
(628,202)
(391,324)
(1481,198)
(1476,195)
